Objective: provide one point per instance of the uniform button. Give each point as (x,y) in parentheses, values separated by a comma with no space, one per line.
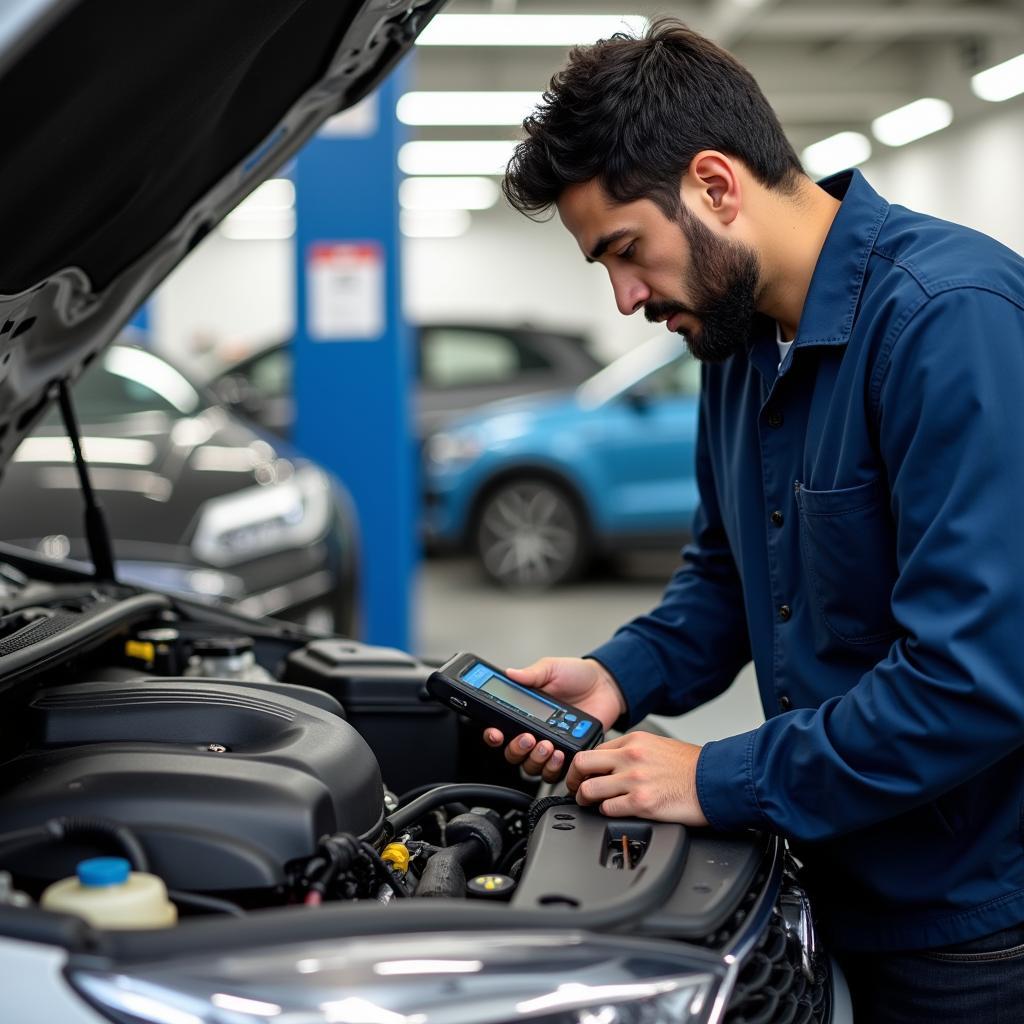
(778,518)
(785,612)
(774,418)
(785,703)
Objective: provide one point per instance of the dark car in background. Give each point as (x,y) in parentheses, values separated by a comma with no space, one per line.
(458,367)
(198,503)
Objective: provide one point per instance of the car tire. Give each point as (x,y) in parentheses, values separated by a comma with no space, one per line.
(529,533)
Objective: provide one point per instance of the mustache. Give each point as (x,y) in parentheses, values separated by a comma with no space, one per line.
(663,309)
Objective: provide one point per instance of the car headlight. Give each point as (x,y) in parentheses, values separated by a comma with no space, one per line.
(545,978)
(445,449)
(264,519)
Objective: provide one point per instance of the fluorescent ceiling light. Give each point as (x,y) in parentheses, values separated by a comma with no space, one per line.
(434,223)
(527,29)
(455,157)
(1000,82)
(457,108)
(914,121)
(836,153)
(447,193)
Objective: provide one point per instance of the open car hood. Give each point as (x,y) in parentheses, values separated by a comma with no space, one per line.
(131,130)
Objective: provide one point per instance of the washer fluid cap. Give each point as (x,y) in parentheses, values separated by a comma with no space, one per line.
(101,871)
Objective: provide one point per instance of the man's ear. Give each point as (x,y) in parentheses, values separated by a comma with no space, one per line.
(713,186)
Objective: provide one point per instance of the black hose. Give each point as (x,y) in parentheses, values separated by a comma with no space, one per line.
(71,828)
(411,794)
(455,793)
(545,803)
(214,903)
(513,854)
(61,829)
(445,873)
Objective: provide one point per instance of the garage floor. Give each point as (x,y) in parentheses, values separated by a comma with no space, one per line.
(457,609)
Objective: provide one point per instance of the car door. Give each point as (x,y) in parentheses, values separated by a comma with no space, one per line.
(646,453)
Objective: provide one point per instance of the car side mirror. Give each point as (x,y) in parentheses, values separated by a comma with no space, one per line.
(236,392)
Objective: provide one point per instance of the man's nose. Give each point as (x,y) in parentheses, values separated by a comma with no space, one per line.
(630,294)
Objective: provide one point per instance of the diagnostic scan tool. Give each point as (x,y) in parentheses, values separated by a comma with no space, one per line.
(471,686)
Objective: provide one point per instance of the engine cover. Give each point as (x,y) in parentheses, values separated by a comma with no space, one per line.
(223,783)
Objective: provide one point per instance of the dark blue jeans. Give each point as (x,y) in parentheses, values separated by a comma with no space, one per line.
(977,982)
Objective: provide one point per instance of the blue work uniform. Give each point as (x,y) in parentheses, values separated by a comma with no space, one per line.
(861,537)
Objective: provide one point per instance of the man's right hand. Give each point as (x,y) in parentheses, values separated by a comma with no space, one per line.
(583,682)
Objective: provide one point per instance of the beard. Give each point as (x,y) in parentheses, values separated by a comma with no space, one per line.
(725,279)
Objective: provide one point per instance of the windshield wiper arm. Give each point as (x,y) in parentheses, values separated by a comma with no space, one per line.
(96,532)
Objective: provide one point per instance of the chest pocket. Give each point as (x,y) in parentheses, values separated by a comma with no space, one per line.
(847,546)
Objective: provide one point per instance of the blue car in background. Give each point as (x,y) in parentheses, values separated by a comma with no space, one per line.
(538,486)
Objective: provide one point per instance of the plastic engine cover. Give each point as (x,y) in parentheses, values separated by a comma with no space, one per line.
(223,783)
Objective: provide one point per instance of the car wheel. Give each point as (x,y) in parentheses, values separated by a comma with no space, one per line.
(530,533)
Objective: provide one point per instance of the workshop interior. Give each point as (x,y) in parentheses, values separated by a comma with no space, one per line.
(308,438)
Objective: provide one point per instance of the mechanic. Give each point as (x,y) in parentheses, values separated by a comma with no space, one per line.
(860,462)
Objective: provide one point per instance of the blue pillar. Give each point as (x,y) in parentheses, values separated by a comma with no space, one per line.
(139,326)
(353,366)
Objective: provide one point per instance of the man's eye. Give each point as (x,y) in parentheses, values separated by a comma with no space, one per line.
(627,253)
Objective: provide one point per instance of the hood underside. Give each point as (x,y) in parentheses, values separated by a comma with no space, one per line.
(132,129)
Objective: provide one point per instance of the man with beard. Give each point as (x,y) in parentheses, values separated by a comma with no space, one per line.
(860,462)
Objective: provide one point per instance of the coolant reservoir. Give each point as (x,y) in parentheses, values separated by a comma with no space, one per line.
(226,657)
(108,894)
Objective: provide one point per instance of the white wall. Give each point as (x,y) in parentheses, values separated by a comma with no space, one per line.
(508,268)
(239,295)
(969,174)
(231,295)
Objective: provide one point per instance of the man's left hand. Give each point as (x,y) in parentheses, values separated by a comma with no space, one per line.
(639,775)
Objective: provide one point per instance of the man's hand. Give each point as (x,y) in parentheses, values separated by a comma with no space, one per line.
(639,775)
(583,682)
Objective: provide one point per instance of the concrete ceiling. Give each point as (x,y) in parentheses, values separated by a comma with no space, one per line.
(826,65)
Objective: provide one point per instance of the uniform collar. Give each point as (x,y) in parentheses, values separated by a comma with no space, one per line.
(831,304)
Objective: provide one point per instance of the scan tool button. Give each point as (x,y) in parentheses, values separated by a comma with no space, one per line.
(581,729)
(563,725)
(570,718)
(458,702)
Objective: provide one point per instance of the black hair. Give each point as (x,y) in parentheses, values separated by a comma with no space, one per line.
(633,112)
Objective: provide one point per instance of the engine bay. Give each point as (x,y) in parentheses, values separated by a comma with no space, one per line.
(253,767)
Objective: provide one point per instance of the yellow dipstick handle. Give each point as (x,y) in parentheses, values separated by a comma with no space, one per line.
(397,855)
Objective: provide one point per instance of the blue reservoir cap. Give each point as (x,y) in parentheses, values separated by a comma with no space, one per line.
(99,871)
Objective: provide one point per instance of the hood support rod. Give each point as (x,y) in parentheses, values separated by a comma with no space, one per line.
(96,532)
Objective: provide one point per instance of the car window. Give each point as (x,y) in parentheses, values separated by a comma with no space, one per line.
(127,382)
(452,357)
(271,373)
(676,379)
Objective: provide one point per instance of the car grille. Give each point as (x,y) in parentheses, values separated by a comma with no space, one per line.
(772,987)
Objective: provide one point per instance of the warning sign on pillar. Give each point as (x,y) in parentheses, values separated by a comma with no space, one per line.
(345,282)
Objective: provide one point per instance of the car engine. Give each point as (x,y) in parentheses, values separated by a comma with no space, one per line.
(251,767)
